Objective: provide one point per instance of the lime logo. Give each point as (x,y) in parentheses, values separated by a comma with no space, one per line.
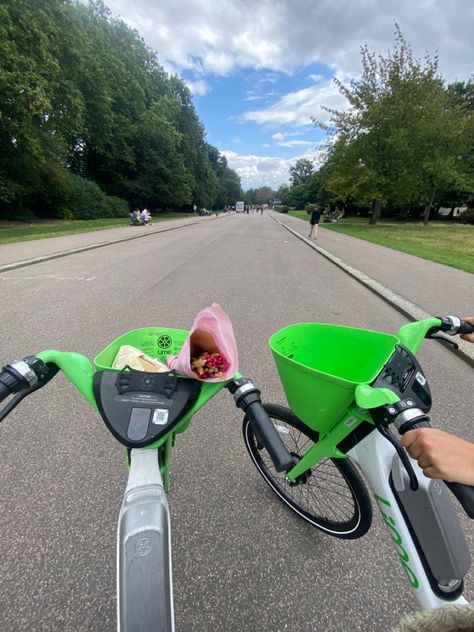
(164,342)
(397,538)
(143,547)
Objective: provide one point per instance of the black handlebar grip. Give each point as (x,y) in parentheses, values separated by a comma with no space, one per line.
(268,435)
(4,391)
(466,328)
(465,495)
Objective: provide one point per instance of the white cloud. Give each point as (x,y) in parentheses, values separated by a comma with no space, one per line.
(257,171)
(279,137)
(297,143)
(297,108)
(220,36)
(198,87)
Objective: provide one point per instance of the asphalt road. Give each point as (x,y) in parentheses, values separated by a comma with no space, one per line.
(242,562)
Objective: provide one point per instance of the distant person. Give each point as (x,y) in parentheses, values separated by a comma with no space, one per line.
(314,222)
(144,216)
(135,217)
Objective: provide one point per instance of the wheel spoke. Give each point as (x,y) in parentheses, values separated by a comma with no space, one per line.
(324,494)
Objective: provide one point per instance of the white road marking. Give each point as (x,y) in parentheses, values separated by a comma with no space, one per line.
(45,277)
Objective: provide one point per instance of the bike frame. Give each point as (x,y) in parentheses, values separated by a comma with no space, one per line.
(144,574)
(378,459)
(144,570)
(381,464)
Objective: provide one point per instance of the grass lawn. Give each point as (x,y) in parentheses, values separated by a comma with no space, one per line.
(21,231)
(351,219)
(450,244)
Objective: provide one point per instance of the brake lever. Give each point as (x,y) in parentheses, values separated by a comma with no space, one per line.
(13,403)
(443,339)
(384,431)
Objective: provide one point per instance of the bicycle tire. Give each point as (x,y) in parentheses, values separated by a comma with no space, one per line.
(357,513)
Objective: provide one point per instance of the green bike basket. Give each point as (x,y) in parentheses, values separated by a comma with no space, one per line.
(320,366)
(157,342)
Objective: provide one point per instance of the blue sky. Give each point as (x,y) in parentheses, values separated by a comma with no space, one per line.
(261,152)
(224,108)
(259,69)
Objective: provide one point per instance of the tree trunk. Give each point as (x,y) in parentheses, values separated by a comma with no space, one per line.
(376,212)
(426,216)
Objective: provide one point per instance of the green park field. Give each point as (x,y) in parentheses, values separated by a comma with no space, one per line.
(450,244)
(15,231)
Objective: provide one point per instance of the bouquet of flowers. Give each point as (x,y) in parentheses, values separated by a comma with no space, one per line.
(210,351)
(210,365)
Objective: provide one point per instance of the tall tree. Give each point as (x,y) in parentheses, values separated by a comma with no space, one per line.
(263,195)
(81,93)
(400,139)
(301,171)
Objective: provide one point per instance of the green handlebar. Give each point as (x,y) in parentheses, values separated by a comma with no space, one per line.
(80,370)
(412,335)
(76,367)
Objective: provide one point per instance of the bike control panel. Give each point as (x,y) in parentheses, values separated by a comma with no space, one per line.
(138,407)
(404,376)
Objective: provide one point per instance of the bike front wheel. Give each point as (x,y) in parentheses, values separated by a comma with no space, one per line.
(331,496)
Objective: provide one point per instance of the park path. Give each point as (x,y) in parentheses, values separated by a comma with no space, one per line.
(436,288)
(26,250)
(241,561)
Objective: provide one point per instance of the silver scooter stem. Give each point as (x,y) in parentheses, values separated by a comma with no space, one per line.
(144,578)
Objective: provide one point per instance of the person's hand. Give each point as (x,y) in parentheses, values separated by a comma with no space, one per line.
(441,455)
(468,337)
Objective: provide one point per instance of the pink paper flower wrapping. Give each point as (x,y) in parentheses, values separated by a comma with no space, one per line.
(212,331)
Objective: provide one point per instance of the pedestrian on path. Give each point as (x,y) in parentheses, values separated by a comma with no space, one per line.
(314,222)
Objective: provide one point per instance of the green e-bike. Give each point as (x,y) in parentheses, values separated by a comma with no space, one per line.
(346,388)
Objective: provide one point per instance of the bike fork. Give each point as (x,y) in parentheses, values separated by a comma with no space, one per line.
(144,578)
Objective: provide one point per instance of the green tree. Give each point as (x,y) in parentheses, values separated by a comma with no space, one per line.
(81,93)
(298,195)
(401,139)
(229,188)
(232,187)
(282,193)
(301,171)
(263,195)
(160,177)
(40,107)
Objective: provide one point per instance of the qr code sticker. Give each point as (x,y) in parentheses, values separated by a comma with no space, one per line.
(160,416)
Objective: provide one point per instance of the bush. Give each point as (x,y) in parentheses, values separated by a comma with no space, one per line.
(86,200)
(282,209)
(19,215)
(468,216)
(309,208)
(63,212)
